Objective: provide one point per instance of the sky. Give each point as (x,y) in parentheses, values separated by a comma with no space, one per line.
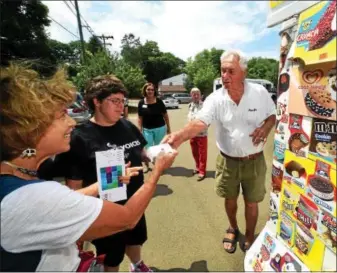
(183,28)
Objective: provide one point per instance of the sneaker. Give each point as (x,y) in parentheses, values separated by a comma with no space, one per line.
(201,177)
(141,267)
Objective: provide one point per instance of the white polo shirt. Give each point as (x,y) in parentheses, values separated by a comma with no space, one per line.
(234,123)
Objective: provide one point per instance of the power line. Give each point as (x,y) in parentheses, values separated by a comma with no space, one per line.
(66,2)
(63,27)
(87,26)
(103,37)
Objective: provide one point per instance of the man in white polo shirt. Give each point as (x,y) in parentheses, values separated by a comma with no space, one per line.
(244,115)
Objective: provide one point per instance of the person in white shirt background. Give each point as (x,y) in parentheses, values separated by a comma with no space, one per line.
(199,142)
(244,115)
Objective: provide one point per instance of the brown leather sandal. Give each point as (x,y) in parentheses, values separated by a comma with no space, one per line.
(231,241)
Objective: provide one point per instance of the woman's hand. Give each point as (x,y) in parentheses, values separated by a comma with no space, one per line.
(129,172)
(164,160)
(144,156)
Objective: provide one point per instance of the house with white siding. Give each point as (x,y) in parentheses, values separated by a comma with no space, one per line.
(172,85)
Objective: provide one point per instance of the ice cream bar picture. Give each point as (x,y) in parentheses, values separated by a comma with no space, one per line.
(295,169)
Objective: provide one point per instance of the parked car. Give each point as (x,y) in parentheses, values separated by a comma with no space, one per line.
(170,102)
(182,98)
(78,110)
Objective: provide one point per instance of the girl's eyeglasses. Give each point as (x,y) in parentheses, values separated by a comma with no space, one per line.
(117,101)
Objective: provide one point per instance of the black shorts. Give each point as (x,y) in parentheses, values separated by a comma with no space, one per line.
(114,246)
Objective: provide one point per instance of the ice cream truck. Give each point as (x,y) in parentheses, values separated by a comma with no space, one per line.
(300,234)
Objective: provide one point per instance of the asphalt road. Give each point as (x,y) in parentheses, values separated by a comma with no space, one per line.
(186,219)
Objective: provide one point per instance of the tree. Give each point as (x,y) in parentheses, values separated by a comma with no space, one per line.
(215,55)
(94,45)
(203,69)
(263,68)
(155,65)
(161,67)
(23,33)
(131,51)
(60,52)
(204,78)
(131,76)
(103,63)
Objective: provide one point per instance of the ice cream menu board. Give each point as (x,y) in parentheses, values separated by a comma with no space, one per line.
(302,218)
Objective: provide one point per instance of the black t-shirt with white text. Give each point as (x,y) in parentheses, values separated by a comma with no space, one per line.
(152,114)
(88,138)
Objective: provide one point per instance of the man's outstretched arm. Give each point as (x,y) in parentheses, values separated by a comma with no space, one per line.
(192,129)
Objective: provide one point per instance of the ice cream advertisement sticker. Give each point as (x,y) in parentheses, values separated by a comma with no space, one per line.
(316,39)
(324,139)
(313,90)
(322,187)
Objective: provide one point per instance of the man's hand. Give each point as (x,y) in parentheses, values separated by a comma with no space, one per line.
(129,172)
(192,129)
(174,139)
(260,134)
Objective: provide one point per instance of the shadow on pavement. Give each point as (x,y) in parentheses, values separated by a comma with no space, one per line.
(162,190)
(181,171)
(210,174)
(199,266)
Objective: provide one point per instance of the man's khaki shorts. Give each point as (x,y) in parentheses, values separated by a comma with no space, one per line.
(250,174)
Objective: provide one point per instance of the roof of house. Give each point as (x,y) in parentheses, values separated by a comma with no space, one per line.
(178,79)
(171,88)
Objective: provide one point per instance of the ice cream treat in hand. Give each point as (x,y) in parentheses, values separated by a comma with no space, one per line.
(154,151)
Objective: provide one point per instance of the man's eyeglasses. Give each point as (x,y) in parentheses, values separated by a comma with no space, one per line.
(117,101)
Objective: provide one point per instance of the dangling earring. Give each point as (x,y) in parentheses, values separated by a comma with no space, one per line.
(29,152)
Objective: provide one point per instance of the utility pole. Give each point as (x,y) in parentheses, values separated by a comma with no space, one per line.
(103,37)
(80,31)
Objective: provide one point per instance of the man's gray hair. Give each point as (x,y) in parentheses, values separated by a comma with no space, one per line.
(195,89)
(243,60)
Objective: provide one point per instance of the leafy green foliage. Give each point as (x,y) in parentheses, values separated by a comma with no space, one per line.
(263,68)
(155,65)
(94,45)
(103,63)
(203,69)
(22,31)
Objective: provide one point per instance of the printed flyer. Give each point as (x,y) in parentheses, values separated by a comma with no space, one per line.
(110,166)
